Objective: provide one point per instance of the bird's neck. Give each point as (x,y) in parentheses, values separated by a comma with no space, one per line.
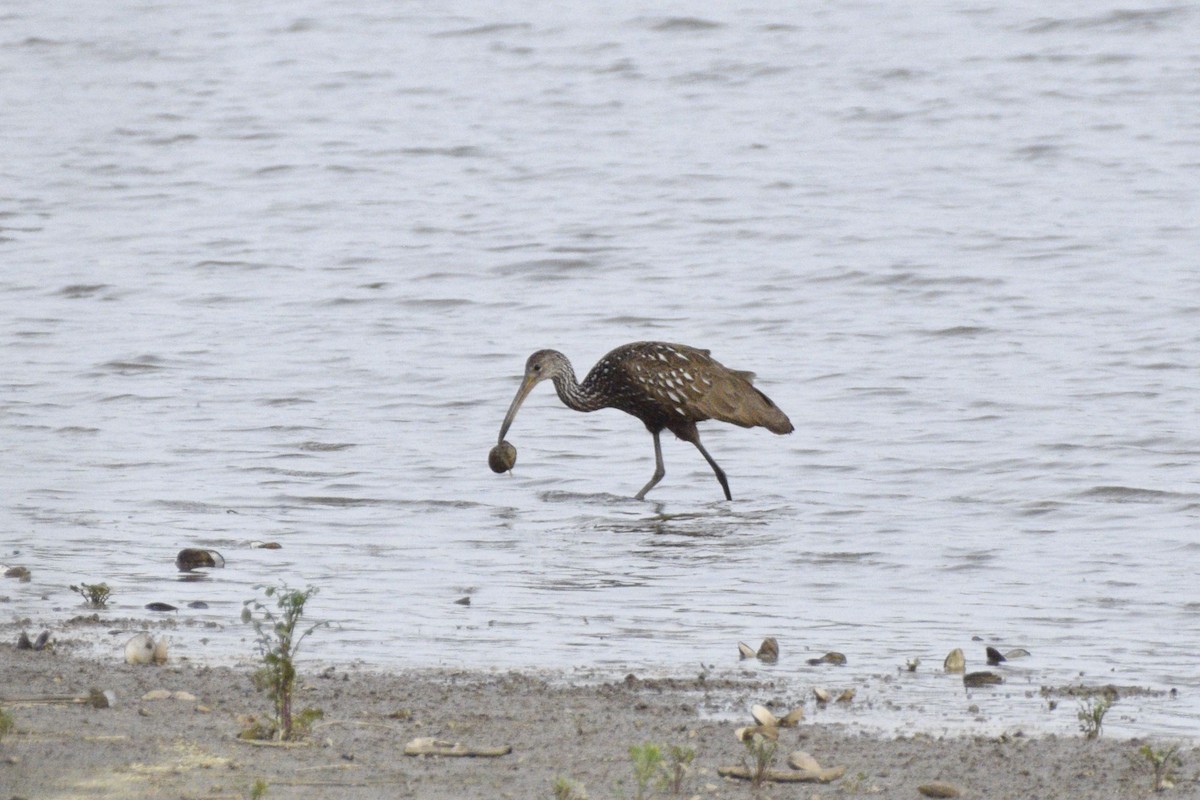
(580,397)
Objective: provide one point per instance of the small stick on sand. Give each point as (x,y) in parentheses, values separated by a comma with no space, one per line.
(782,776)
(425,746)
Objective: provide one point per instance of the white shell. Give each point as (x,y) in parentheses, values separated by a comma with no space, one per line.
(745,651)
(160,650)
(802,760)
(140,649)
(822,695)
(747,733)
(763,716)
(956,661)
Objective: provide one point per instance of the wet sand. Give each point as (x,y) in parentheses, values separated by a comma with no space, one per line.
(187,748)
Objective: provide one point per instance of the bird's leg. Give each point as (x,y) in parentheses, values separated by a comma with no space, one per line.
(659,469)
(720,472)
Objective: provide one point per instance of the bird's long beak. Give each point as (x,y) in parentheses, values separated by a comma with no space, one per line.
(526,385)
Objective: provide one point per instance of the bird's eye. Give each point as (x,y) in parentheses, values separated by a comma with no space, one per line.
(537,367)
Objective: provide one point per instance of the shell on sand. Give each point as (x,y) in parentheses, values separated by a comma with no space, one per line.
(160,650)
(140,649)
(747,733)
(768,651)
(793,717)
(802,760)
(191,558)
(763,716)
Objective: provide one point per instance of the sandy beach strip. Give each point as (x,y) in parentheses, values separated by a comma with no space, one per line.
(185,746)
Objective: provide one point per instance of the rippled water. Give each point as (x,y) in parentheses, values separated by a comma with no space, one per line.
(272,272)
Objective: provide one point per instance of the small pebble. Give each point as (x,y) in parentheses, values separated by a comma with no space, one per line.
(939,789)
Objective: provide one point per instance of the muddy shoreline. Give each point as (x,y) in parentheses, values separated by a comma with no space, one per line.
(185,745)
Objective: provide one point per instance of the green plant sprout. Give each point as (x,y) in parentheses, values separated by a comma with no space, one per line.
(278,644)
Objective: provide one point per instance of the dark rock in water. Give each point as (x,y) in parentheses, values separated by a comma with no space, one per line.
(20,573)
(197,604)
(463,601)
(23,642)
(502,458)
(43,639)
(832,657)
(768,651)
(160,607)
(994,657)
(973,680)
(191,558)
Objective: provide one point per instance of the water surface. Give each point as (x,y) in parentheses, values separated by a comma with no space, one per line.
(272,274)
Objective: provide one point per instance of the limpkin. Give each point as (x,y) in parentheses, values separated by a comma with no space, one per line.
(666,386)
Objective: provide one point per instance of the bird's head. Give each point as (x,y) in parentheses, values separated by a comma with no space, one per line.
(546,364)
(542,365)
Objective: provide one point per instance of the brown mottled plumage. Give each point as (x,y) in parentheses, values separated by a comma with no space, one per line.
(665,385)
